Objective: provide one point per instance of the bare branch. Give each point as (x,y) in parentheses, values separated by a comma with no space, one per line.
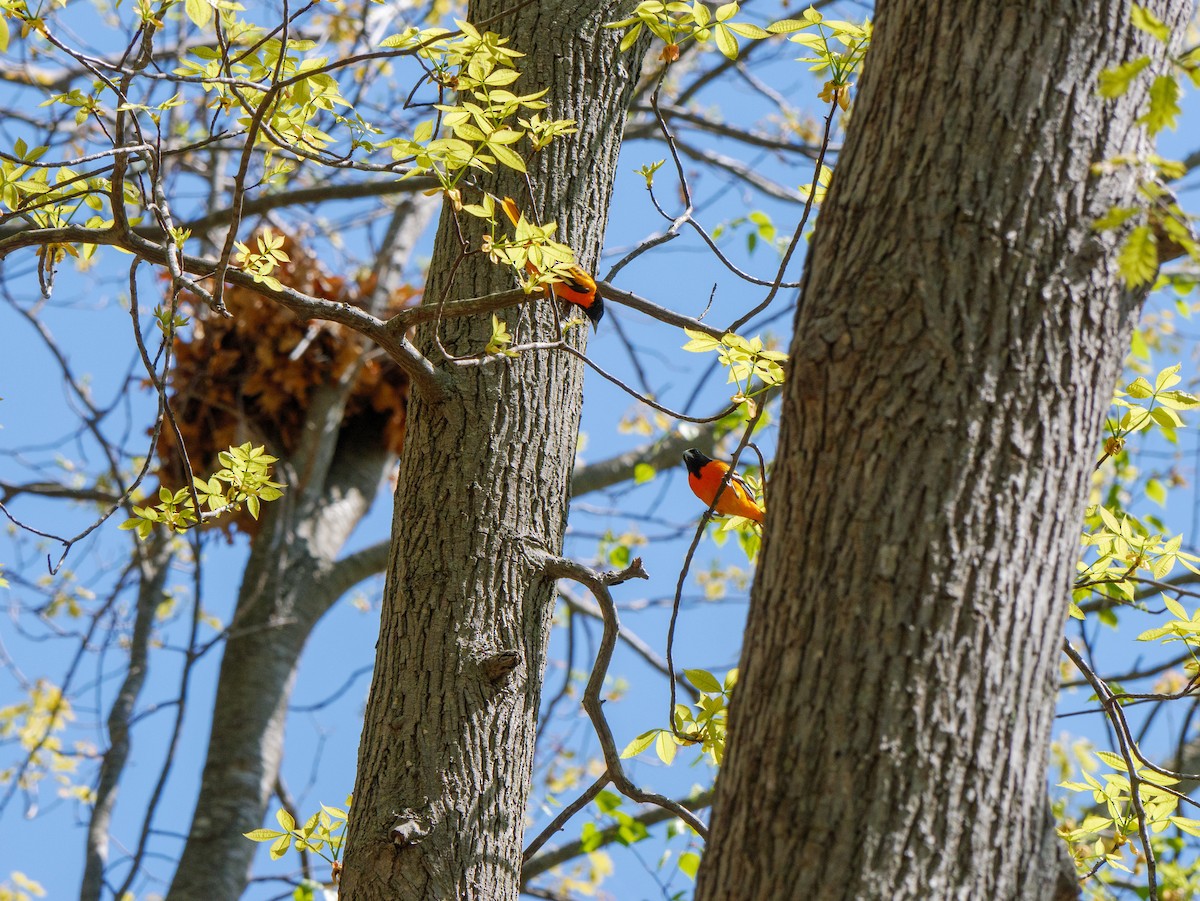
(598,584)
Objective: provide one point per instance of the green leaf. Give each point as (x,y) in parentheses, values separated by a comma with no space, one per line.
(1139,388)
(1168,378)
(701,342)
(1178,400)
(310,825)
(1166,418)
(1190,826)
(703,680)
(284,819)
(1138,259)
(689,862)
(620,556)
(1109,519)
(630,831)
(665,747)
(787,26)
(280,847)
(1115,217)
(590,838)
(263,835)
(1116,761)
(746,30)
(1138,346)
(3,34)
(199,11)
(643,472)
(423,132)
(608,801)
(631,37)
(726,42)
(507,156)
(1156,492)
(639,744)
(1164,105)
(1146,21)
(1116,81)
(1175,607)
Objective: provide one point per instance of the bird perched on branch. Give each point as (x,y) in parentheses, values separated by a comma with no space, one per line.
(577,287)
(704,478)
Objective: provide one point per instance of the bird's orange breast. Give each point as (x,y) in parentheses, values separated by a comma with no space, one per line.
(735,499)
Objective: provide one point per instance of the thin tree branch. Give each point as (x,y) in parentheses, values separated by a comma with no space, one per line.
(538,864)
(598,584)
(1124,741)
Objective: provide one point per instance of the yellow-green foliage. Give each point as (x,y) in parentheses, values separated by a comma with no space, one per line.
(261,263)
(19,887)
(704,725)
(752,368)
(836,47)
(36,724)
(1124,545)
(1157,218)
(323,834)
(245,478)
(1103,837)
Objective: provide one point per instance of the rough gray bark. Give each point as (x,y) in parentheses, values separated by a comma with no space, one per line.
(955,350)
(445,758)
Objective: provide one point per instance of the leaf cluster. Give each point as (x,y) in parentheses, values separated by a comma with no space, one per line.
(324,834)
(1160,230)
(480,67)
(835,47)
(36,724)
(703,725)
(244,479)
(1100,839)
(1149,406)
(747,360)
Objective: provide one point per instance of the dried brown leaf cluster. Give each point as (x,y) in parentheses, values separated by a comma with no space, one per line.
(253,377)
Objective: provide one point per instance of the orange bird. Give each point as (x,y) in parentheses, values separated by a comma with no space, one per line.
(704,477)
(578,287)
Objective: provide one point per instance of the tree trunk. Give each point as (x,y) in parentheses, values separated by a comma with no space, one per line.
(281,599)
(445,759)
(956,346)
(291,581)
(154,565)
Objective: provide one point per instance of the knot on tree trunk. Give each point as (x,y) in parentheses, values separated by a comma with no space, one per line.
(410,828)
(497,666)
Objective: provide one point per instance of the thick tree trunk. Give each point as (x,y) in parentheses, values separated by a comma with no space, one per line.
(955,351)
(445,759)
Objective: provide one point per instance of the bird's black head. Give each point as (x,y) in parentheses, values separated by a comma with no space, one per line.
(595,311)
(695,461)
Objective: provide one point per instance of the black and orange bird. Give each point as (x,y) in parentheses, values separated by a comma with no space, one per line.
(577,287)
(704,478)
